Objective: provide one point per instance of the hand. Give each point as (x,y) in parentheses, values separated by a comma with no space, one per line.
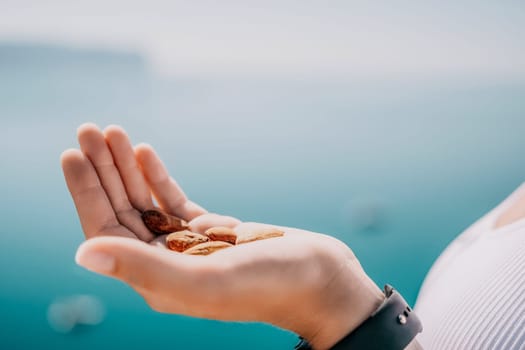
(306,282)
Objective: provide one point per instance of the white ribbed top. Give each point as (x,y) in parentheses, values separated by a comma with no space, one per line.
(474,295)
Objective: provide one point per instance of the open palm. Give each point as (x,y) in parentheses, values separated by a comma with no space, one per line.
(294,281)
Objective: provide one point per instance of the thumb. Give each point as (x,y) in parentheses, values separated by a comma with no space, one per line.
(137,263)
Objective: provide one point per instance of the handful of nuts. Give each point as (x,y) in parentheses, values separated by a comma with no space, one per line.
(181,239)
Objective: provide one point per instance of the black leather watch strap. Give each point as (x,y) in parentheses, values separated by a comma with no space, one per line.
(391,327)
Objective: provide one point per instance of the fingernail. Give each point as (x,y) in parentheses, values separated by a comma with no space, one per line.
(96,261)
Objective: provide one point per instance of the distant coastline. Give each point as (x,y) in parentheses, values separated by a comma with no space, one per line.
(37,56)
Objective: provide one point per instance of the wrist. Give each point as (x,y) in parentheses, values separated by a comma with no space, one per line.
(354,301)
(392,326)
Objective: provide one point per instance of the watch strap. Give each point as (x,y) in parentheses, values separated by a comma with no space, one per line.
(391,327)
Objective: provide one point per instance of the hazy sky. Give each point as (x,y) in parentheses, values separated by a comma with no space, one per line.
(287,37)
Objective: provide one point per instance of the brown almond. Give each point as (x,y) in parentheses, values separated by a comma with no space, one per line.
(207,248)
(161,223)
(182,240)
(258,234)
(221,233)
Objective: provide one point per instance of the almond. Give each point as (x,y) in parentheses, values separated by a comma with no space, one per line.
(220,233)
(258,234)
(207,248)
(160,222)
(182,240)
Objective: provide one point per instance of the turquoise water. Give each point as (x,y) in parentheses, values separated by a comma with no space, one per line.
(421,158)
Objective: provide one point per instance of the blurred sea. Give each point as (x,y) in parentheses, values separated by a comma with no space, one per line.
(396,168)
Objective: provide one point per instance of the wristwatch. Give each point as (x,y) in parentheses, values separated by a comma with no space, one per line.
(391,327)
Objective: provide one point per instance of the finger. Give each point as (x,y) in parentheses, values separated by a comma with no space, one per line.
(192,279)
(124,157)
(165,189)
(203,222)
(93,206)
(93,145)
